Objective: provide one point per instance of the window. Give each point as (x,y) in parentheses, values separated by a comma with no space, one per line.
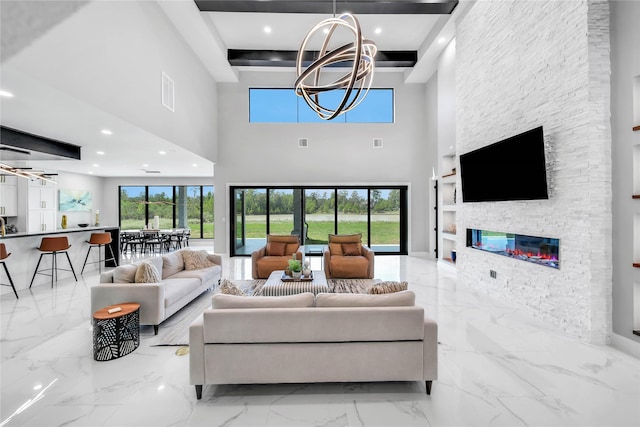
(312,213)
(284,106)
(175,206)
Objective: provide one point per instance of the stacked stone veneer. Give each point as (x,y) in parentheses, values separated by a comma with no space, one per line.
(519,65)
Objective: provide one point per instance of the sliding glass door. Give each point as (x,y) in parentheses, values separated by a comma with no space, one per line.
(313,213)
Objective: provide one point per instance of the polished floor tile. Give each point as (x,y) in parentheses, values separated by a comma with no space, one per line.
(497,367)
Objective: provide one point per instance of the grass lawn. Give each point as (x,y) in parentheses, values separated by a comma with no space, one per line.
(383,232)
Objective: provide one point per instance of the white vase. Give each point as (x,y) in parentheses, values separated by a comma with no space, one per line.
(296,274)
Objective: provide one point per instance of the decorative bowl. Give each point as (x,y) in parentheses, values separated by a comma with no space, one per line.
(83,225)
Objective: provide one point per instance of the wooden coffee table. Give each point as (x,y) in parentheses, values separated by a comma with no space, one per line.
(276,287)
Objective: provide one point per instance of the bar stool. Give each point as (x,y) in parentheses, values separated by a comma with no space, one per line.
(4,255)
(98,240)
(53,246)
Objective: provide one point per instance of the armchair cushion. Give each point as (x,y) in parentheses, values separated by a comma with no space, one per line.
(276,248)
(345,238)
(351,249)
(349,267)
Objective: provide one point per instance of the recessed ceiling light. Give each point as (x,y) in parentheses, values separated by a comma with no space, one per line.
(162,152)
(267,30)
(377,30)
(106,132)
(442,40)
(95,165)
(145,165)
(195,165)
(90,172)
(325,31)
(6,94)
(100,153)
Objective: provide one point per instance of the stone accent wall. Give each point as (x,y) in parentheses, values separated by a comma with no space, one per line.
(519,65)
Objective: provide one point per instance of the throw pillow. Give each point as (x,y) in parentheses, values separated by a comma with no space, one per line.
(227,287)
(196,260)
(350,249)
(388,287)
(292,248)
(335,249)
(276,248)
(172,264)
(125,273)
(147,273)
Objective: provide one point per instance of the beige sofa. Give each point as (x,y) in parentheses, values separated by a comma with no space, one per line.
(180,283)
(302,339)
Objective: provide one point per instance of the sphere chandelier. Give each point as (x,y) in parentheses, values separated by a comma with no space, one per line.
(360,52)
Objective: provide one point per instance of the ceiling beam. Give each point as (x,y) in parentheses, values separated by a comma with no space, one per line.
(287,58)
(19,145)
(357,7)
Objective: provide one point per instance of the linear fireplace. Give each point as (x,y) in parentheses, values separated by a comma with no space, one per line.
(538,250)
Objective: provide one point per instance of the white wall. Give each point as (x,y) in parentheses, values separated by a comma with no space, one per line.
(111,55)
(267,153)
(520,65)
(432,129)
(92,184)
(625,66)
(447,102)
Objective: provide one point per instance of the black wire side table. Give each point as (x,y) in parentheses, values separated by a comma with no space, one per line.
(116,333)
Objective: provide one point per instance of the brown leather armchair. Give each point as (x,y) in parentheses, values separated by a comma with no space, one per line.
(345,257)
(274,255)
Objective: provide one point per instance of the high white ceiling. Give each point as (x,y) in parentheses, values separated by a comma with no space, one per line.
(41,108)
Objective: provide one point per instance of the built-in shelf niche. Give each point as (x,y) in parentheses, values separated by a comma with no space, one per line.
(636,172)
(636,312)
(448,165)
(636,103)
(636,240)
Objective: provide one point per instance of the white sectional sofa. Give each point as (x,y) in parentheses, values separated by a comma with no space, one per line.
(180,283)
(302,339)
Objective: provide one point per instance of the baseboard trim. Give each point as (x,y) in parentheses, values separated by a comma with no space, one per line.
(626,345)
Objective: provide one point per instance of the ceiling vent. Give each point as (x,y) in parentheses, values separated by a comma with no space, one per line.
(151,171)
(377,142)
(168,95)
(303,142)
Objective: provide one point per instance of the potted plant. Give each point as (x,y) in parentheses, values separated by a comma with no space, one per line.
(295,267)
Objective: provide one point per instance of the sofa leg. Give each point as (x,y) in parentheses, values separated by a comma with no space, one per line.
(199,392)
(155,329)
(428,384)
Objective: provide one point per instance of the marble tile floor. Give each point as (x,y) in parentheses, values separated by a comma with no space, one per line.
(497,367)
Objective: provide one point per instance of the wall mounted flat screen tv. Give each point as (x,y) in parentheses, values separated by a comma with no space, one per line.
(511,169)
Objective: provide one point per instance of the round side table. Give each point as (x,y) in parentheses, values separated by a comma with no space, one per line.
(116,334)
